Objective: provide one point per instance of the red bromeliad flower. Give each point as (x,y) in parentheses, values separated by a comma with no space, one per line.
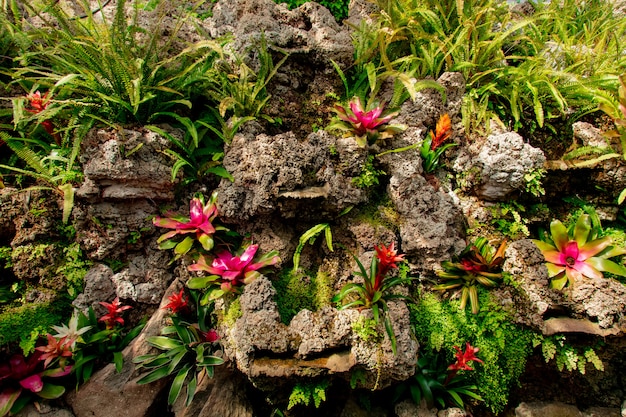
(114,315)
(56,348)
(442,131)
(462,358)
(210,336)
(387,257)
(39,103)
(178,303)
(234,270)
(200,220)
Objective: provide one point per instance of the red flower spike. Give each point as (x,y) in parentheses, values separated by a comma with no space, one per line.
(178,303)
(462,358)
(113,316)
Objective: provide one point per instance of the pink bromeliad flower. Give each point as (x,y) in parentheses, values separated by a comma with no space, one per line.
(570,258)
(231,271)
(366,125)
(199,222)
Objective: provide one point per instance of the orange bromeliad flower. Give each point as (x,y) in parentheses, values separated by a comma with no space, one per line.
(442,131)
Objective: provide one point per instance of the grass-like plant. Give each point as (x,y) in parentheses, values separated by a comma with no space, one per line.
(117,70)
(238,89)
(189,346)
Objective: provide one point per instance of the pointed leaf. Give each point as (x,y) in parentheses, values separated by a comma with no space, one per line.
(177,384)
(51,391)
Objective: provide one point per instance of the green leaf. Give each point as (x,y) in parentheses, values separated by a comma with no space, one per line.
(118,359)
(177,384)
(164,343)
(51,391)
(154,375)
(183,247)
(211,361)
(199,283)
(191,389)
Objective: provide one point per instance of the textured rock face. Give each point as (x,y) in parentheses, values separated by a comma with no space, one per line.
(314,344)
(309,28)
(281,174)
(503,161)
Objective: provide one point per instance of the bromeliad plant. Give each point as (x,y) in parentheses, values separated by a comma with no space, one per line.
(439,386)
(190,348)
(431,148)
(375,290)
(367,126)
(199,224)
(478,264)
(578,252)
(229,272)
(24,379)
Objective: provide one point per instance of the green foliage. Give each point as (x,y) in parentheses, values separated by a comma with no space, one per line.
(338,8)
(436,385)
(507,219)
(533,182)
(97,346)
(18,323)
(238,89)
(479,264)
(366,329)
(567,356)
(309,236)
(369,174)
(187,353)
(201,149)
(305,393)
(232,312)
(73,268)
(299,291)
(504,346)
(376,289)
(28,345)
(118,71)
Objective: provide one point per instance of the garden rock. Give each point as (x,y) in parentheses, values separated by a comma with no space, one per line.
(270,353)
(310,29)
(503,162)
(547,410)
(109,392)
(281,174)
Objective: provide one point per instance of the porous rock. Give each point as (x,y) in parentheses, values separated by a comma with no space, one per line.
(109,392)
(285,175)
(505,160)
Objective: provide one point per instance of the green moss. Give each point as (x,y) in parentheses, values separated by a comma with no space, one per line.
(366,329)
(18,323)
(232,313)
(295,292)
(504,347)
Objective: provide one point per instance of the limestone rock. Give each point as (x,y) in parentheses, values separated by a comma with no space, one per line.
(283,174)
(505,159)
(547,410)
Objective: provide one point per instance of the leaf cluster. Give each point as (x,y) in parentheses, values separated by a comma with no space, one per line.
(439,325)
(306,393)
(186,354)
(478,264)
(374,292)
(99,346)
(431,384)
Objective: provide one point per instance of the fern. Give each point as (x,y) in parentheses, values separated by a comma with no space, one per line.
(307,392)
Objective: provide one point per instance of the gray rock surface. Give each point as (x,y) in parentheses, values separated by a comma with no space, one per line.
(503,161)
